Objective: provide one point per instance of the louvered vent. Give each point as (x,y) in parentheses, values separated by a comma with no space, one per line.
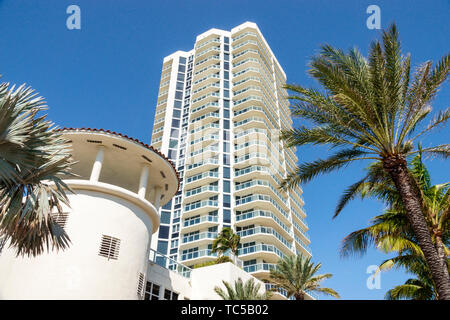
(140,288)
(60,218)
(109,247)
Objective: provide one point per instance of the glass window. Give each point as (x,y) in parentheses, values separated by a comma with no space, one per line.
(151,291)
(181,68)
(180,77)
(165,217)
(226,124)
(226,84)
(176,113)
(226,172)
(226,47)
(226,114)
(226,186)
(226,135)
(226,147)
(175,123)
(226,200)
(162,245)
(174,133)
(226,93)
(226,57)
(226,65)
(182,60)
(226,103)
(177,104)
(226,216)
(163,234)
(172,154)
(226,159)
(168,205)
(180,85)
(173,143)
(226,75)
(179,95)
(226,39)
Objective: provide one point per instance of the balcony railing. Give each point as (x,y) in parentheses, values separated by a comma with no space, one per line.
(199,236)
(259,267)
(168,263)
(260,248)
(191,222)
(201,204)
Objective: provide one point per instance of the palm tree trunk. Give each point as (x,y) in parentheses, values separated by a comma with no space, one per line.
(440,247)
(299,296)
(396,166)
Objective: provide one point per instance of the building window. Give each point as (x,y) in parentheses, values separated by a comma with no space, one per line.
(226,216)
(162,246)
(109,247)
(164,232)
(170,295)
(226,172)
(226,200)
(226,186)
(151,291)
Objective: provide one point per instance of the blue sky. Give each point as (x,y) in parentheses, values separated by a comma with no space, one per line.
(106,75)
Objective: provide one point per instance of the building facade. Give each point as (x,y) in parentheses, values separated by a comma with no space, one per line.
(118,186)
(218,115)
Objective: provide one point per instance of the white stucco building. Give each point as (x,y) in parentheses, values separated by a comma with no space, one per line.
(113,213)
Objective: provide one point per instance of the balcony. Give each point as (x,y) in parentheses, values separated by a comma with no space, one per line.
(266,218)
(260,270)
(250,172)
(251,159)
(199,256)
(266,235)
(202,166)
(201,179)
(203,192)
(199,207)
(204,120)
(267,252)
(198,239)
(203,142)
(199,222)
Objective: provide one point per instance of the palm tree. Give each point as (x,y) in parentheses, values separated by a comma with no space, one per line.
(226,240)
(370,110)
(242,291)
(297,275)
(391,231)
(419,288)
(32,158)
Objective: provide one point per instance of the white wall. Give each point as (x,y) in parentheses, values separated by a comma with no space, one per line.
(203,280)
(170,280)
(79,272)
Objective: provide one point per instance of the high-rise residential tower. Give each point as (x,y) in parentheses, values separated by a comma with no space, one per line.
(219,112)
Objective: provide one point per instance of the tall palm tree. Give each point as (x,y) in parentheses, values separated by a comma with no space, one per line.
(32,158)
(370,110)
(391,231)
(226,240)
(242,291)
(297,275)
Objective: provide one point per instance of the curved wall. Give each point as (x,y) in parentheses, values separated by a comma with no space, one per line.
(79,272)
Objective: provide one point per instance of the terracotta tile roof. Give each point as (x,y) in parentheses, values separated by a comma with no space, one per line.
(129,138)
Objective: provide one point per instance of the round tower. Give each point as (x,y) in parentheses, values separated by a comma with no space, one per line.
(120,185)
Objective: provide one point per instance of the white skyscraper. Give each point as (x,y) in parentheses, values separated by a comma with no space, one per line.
(219,112)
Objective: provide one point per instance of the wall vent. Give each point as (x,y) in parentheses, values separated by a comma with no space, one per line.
(94,141)
(147,159)
(120,147)
(60,218)
(162,174)
(109,247)
(167,187)
(140,288)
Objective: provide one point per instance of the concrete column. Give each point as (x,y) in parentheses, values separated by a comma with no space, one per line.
(97,167)
(143,182)
(158,193)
